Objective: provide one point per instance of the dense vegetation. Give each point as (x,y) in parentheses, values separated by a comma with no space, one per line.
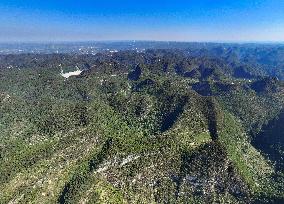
(161,126)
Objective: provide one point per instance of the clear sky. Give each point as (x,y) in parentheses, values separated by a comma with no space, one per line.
(175,20)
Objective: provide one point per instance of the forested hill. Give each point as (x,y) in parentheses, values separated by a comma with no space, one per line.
(198,125)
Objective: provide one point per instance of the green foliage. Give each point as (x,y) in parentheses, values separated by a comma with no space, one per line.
(179,133)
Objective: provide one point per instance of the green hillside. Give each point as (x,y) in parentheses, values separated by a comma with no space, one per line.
(154,127)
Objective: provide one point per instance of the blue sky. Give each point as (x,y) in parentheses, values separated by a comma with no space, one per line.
(176,20)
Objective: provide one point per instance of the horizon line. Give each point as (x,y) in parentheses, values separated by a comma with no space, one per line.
(157,41)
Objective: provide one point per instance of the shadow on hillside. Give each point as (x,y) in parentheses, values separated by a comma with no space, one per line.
(271,141)
(212,119)
(171,118)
